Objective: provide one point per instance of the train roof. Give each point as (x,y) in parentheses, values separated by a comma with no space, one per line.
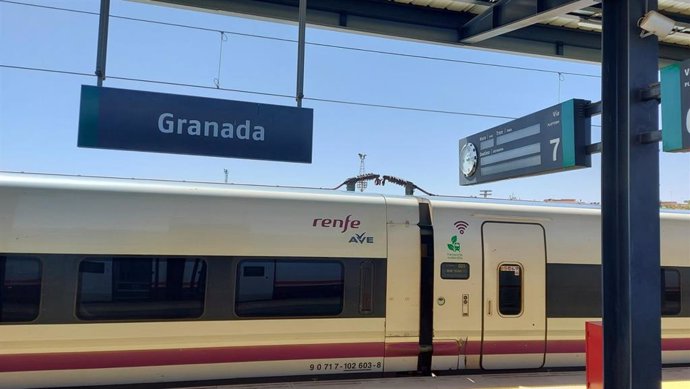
(119,184)
(161,186)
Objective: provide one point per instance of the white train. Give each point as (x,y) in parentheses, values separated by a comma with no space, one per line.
(110,281)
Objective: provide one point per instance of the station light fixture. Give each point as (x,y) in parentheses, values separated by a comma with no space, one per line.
(654,23)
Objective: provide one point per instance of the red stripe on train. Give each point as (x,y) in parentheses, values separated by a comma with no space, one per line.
(410,349)
(134,358)
(167,357)
(137,358)
(525,347)
(680,344)
(404,349)
(553,346)
(446,349)
(565,347)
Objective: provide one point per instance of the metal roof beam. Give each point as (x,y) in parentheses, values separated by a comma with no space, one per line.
(511,15)
(328,12)
(405,21)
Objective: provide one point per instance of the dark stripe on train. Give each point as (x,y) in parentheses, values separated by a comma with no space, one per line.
(363,290)
(574,291)
(426,293)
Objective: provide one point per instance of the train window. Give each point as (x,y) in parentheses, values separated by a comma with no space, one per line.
(20,288)
(289,288)
(670,292)
(125,288)
(510,289)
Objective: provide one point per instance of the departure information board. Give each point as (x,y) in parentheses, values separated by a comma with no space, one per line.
(547,141)
(675,107)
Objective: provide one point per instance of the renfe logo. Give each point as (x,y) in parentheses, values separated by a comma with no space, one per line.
(337,223)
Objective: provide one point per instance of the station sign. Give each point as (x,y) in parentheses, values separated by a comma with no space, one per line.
(675,107)
(122,119)
(547,141)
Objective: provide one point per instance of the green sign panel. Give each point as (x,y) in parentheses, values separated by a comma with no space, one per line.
(675,106)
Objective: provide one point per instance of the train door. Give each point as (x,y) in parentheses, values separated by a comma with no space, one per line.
(514,314)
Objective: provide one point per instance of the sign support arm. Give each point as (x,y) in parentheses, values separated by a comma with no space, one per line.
(102,51)
(300,51)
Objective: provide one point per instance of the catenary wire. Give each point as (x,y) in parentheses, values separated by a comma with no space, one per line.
(47,70)
(49,7)
(323,100)
(332,101)
(340,47)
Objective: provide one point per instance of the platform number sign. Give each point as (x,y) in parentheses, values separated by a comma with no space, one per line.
(550,140)
(675,107)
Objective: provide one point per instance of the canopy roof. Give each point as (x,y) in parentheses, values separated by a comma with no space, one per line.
(560,28)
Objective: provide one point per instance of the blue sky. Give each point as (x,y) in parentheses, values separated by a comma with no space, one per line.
(39,110)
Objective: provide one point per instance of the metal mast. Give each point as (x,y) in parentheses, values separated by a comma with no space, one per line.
(362,184)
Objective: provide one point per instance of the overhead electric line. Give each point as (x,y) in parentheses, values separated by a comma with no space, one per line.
(316,99)
(323,100)
(47,70)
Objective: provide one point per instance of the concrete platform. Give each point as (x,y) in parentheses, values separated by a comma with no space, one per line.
(674,378)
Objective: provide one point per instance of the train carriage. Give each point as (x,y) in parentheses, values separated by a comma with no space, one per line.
(536,278)
(112,281)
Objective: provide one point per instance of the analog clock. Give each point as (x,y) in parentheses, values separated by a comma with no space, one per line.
(468,159)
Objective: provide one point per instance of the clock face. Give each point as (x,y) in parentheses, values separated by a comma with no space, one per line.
(468,160)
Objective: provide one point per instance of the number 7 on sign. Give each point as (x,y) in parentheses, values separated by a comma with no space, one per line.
(555,142)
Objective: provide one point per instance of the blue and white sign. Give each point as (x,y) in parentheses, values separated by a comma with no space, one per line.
(124,119)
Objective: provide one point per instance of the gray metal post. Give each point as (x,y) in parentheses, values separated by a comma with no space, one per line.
(300,51)
(102,41)
(630,201)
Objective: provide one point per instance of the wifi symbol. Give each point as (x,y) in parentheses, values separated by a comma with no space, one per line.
(461,226)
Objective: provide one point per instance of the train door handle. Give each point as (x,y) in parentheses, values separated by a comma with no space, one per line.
(489,308)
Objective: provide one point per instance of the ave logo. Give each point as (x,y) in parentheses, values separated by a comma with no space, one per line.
(362,238)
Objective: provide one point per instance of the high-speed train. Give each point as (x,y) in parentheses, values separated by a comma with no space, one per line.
(114,281)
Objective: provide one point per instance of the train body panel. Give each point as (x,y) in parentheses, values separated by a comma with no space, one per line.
(175,373)
(571,281)
(107,281)
(58,215)
(402,295)
(219,348)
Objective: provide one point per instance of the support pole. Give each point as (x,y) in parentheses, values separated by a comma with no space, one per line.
(300,51)
(630,201)
(102,41)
